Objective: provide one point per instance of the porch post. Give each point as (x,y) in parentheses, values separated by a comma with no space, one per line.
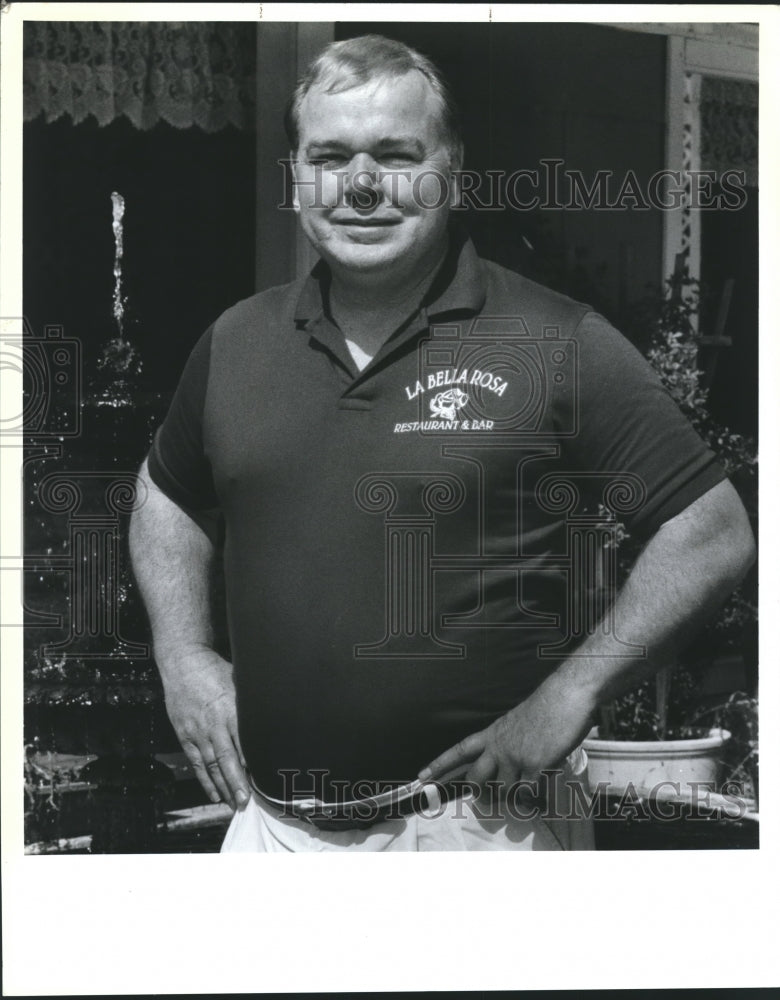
(284,49)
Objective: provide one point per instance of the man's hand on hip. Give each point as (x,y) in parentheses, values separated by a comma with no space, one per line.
(535,736)
(201,701)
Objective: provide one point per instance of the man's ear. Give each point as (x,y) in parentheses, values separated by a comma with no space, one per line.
(456,167)
(454,188)
(296,167)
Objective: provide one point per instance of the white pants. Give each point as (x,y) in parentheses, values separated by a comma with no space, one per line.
(459,825)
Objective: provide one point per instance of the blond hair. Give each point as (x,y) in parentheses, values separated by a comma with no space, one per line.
(356,61)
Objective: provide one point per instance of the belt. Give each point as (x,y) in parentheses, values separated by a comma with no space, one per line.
(416,798)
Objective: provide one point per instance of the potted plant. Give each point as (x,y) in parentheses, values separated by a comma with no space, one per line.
(666,733)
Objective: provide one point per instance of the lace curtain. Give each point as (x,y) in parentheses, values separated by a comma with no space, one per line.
(186,74)
(729,126)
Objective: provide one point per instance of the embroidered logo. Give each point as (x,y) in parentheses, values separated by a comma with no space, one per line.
(450,399)
(446,404)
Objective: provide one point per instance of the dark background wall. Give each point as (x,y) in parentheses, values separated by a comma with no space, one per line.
(592,96)
(730,251)
(188,233)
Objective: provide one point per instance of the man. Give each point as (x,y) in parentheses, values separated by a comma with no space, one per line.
(396,446)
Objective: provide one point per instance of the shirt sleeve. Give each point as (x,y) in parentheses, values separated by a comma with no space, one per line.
(177,461)
(627,422)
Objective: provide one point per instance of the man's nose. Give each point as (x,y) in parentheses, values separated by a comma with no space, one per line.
(363,185)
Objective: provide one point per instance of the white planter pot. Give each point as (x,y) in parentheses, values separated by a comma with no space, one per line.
(691,764)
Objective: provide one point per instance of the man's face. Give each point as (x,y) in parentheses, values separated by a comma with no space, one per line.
(373,178)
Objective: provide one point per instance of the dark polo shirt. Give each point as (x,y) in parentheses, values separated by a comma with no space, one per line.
(411,549)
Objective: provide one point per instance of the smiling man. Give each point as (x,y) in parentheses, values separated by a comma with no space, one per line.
(396,446)
(372,181)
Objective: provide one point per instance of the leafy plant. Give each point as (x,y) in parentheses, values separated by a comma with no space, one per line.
(44,784)
(670,705)
(674,353)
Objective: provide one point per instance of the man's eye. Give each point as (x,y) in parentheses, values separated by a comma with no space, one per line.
(328,160)
(398,159)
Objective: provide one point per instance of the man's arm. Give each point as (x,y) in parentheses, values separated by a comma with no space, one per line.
(683,575)
(172,559)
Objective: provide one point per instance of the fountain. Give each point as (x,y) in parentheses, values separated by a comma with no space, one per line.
(95,691)
(119,360)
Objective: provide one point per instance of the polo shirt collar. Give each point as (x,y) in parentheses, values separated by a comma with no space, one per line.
(459,285)
(310,305)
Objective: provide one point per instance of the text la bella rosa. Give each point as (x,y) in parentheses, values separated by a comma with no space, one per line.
(485,380)
(447,403)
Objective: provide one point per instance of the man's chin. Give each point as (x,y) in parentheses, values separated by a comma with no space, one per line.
(390,259)
(363,257)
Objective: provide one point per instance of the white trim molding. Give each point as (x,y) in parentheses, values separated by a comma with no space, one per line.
(694,51)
